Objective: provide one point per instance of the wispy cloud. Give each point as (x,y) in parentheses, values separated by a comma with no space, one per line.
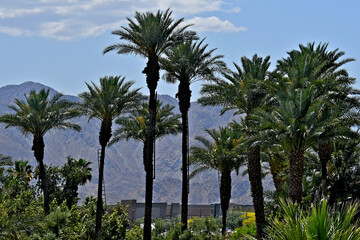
(67,20)
(213,24)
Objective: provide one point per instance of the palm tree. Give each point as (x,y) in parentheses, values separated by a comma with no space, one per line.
(149,36)
(5,160)
(106,102)
(19,178)
(243,92)
(75,173)
(223,154)
(135,125)
(186,63)
(37,115)
(295,123)
(321,67)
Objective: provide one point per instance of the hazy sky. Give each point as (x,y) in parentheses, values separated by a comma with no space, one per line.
(59,43)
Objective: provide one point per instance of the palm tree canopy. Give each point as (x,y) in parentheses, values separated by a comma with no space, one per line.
(189,61)
(5,160)
(295,121)
(39,113)
(242,91)
(149,34)
(77,172)
(111,98)
(135,125)
(222,153)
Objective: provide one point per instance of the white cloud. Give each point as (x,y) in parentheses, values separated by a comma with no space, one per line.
(68,20)
(13,13)
(213,24)
(11,31)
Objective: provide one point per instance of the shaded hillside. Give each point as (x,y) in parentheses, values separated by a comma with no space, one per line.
(124,172)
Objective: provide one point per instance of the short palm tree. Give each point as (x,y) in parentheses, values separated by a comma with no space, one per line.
(244,92)
(323,68)
(223,154)
(186,63)
(295,124)
(75,173)
(135,125)
(149,36)
(106,102)
(36,115)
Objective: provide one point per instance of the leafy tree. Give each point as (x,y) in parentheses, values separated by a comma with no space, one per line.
(106,102)
(222,153)
(54,182)
(243,92)
(149,36)
(37,115)
(186,63)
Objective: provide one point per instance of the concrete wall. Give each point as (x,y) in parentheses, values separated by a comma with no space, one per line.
(163,210)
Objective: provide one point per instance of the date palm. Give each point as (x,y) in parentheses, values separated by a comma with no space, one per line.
(5,160)
(243,92)
(295,124)
(106,102)
(75,173)
(150,35)
(36,115)
(135,125)
(323,68)
(187,63)
(223,154)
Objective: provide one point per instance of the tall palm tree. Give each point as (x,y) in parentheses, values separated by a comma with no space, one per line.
(223,154)
(135,125)
(149,36)
(243,92)
(106,102)
(37,115)
(75,173)
(186,63)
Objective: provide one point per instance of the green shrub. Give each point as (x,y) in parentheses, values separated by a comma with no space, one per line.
(135,233)
(318,222)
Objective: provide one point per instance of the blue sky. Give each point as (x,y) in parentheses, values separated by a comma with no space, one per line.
(59,43)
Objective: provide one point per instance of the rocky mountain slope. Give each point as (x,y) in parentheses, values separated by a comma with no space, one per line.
(124,172)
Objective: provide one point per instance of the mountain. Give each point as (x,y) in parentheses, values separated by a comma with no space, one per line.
(124,171)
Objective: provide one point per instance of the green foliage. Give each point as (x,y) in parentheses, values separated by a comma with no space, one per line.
(115,224)
(135,233)
(318,222)
(63,181)
(248,227)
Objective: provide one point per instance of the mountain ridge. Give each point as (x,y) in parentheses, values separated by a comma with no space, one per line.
(124,172)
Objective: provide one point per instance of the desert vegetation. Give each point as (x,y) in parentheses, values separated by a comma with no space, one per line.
(297,123)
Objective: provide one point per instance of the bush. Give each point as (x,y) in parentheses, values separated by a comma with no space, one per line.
(248,227)
(318,222)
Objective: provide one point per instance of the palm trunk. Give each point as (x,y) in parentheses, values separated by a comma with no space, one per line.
(275,176)
(104,137)
(38,148)
(225,195)
(184,95)
(296,174)
(254,171)
(152,77)
(325,157)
